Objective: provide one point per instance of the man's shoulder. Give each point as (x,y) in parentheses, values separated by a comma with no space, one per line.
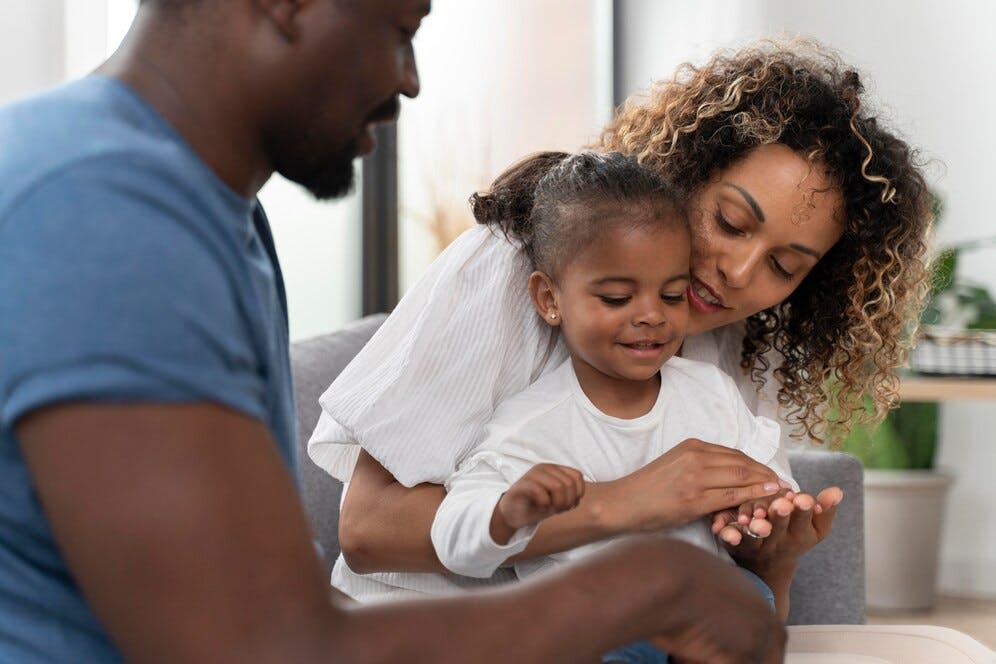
(94,125)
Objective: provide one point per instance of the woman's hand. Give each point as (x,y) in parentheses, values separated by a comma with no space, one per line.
(689,481)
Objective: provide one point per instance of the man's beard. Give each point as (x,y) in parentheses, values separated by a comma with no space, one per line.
(325,177)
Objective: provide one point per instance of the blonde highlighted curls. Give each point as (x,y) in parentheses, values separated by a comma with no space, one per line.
(847,327)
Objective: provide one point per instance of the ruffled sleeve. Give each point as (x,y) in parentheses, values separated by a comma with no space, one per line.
(419,394)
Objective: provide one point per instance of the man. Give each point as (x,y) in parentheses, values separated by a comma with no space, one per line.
(147,506)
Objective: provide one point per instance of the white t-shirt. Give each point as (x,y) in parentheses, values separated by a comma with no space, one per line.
(553,421)
(463,339)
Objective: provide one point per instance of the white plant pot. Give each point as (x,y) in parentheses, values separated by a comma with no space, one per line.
(904,510)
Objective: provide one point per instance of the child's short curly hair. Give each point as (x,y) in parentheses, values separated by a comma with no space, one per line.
(847,327)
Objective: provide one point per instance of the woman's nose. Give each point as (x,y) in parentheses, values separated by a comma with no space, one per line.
(736,268)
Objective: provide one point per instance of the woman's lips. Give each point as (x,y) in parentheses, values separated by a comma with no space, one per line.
(704,298)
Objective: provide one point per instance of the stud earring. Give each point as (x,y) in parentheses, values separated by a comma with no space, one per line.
(553,316)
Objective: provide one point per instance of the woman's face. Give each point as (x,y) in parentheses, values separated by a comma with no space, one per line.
(757,230)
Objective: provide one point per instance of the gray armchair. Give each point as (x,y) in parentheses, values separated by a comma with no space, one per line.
(829,586)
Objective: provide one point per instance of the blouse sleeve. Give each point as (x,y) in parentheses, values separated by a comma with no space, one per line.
(417,397)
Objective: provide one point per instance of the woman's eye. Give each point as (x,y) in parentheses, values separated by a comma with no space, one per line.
(614,300)
(726,226)
(779,270)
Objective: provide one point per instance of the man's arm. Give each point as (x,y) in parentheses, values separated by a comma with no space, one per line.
(184,531)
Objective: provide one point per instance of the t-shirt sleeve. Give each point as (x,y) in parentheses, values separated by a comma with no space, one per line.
(461,529)
(419,394)
(109,294)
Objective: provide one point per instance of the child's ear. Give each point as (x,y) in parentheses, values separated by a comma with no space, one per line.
(544,294)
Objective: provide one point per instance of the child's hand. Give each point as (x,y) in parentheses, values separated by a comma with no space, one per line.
(546,489)
(749,520)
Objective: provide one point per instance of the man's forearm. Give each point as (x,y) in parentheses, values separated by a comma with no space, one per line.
(611,595)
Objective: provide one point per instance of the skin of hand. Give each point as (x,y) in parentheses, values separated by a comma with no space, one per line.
(545,489)
(710,634)
(790,526)
(691,480)
(384,525)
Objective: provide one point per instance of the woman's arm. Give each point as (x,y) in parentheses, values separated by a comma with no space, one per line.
(384,526)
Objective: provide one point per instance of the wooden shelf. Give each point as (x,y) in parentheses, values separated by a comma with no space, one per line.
(928,388)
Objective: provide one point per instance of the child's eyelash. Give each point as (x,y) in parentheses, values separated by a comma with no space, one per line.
(614,301)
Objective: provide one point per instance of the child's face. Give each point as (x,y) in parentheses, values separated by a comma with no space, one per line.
(621,303)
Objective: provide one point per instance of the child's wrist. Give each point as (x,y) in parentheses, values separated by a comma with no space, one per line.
(500,530)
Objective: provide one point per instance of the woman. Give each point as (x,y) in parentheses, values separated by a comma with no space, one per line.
(809,223)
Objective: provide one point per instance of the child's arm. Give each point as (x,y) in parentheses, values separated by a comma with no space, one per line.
(483,520)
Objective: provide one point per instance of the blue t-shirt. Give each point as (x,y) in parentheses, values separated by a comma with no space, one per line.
(129,272)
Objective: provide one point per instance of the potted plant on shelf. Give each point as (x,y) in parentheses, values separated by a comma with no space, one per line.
(904,493)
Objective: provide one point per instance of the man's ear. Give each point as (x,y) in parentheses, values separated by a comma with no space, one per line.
(545,297)
(284,15)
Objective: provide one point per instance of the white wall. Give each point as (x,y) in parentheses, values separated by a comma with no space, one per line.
(499,80)
(31,46)
(46,42)
(929,64)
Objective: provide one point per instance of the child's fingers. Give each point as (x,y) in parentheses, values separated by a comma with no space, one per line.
(573,481)
(801,521)
(779,514)
(827,501)
(537,494)
(760,527)
(722,519)
(731,535)
(560,485)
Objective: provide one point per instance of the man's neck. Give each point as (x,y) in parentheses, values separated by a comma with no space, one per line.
(197,97)
(616,397)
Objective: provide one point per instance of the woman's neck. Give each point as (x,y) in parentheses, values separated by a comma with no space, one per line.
(616,397)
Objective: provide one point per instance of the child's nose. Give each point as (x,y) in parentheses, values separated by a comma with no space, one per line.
(652,314)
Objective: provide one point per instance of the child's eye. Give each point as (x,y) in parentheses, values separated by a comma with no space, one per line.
(679,297)
(614,300)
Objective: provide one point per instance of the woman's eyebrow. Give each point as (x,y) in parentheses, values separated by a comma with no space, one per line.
(806,250)
(750,200)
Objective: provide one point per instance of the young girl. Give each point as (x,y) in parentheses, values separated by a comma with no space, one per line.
(611,251)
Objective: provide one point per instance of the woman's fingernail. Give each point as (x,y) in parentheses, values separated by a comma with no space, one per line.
(771,487)
(784,484)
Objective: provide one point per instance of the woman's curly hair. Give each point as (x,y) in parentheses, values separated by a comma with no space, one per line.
(847,327)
